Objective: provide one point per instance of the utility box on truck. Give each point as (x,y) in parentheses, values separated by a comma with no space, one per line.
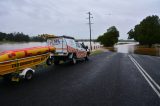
(67,49)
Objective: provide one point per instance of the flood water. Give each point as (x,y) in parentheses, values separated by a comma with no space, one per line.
(121,48)
(13,46)
(134,48)
(125,48)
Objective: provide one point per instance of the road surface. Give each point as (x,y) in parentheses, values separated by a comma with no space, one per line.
(110,79)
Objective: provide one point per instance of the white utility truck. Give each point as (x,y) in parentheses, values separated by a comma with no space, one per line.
(67,49)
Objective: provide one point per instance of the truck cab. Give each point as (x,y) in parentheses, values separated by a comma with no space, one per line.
(67,49)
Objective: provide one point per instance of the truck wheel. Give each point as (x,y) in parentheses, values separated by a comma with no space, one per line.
(29,75)
(73,61)
(56,62)
(49,61)
(86,58)
(7,78)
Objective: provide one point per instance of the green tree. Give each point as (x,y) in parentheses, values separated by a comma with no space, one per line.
(131,34)
(2,36)
(37,39)
(21,37)
(110,37)
(147,32)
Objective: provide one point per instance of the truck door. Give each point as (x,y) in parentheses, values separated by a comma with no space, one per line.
(81,51)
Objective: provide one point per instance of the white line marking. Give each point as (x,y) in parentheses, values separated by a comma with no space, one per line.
(143,72)
(147,75)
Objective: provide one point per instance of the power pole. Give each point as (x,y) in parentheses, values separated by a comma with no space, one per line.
(90,29)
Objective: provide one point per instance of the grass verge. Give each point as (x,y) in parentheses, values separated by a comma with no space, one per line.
(96,52)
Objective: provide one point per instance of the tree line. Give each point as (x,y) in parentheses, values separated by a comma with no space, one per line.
(147,32)
(110,37)
(19,37)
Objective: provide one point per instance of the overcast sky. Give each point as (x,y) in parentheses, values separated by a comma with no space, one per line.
(68,17)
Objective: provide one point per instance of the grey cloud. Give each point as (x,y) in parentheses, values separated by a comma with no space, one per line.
(69,16)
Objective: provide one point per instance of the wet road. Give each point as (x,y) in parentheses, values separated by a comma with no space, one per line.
(113,79)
